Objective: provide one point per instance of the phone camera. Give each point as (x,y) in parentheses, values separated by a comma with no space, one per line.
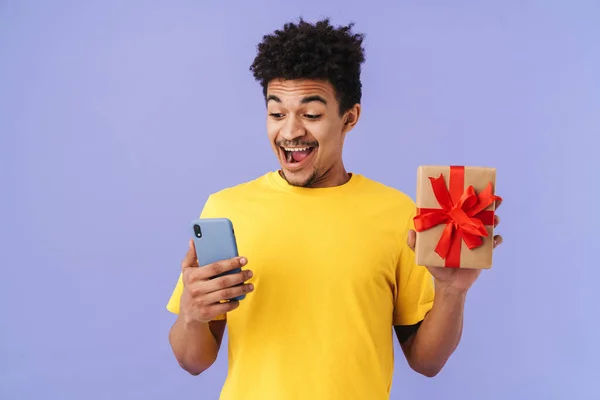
(197,231)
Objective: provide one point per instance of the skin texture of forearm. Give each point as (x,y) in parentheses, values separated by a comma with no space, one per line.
(194,345)
(439,334)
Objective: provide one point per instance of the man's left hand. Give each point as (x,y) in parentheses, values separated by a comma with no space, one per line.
(456,279)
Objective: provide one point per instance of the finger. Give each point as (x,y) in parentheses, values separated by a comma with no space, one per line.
(223,308)
(412,239)
(221,267)
(190,260)
(496,220)
(229,293)
(497,241)
(228,281)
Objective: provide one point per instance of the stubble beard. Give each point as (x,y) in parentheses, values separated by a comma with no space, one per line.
(307,183)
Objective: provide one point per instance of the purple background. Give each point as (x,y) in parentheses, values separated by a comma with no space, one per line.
(117,119)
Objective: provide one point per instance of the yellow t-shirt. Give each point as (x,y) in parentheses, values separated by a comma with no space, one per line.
(332,275)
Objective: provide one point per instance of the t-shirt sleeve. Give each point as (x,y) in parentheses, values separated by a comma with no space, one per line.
(209,211)
(414,284)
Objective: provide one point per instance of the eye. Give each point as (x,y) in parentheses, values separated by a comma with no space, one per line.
(312,116)
(276,115)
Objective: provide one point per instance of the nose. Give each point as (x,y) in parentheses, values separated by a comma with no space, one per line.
(292,128)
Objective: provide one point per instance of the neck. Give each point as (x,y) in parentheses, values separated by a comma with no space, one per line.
(335,176)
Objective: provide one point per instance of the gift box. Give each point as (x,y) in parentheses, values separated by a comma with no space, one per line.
(455,216)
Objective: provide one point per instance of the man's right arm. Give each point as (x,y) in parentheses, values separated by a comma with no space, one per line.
(200,302)
(196,344)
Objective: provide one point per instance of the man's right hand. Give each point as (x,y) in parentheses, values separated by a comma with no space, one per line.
(202,295)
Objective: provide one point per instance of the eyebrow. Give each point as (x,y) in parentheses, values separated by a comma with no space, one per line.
(305,100)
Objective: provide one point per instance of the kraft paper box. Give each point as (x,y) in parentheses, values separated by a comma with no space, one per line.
(455,216)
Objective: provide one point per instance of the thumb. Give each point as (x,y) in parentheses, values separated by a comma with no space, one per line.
(190,260)
(412,239)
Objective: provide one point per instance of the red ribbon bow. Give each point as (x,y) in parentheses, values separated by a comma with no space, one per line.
(465,217)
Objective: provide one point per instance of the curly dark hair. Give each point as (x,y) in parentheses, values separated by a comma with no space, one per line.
(313,51)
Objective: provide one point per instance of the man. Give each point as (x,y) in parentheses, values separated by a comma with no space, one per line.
(328,256)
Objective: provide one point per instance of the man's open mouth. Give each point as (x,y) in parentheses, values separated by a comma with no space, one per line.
(296,154)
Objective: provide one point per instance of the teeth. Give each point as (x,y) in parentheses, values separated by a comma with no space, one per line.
(296,149)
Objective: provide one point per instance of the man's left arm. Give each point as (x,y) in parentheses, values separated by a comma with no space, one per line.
(428,311)
(429,343)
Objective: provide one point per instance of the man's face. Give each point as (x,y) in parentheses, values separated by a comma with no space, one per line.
(307,131)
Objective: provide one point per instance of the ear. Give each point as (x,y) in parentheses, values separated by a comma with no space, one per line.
(351,118)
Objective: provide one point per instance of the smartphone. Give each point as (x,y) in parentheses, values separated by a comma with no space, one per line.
(214,239)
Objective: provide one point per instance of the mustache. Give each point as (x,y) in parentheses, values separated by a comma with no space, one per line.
(296,143)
